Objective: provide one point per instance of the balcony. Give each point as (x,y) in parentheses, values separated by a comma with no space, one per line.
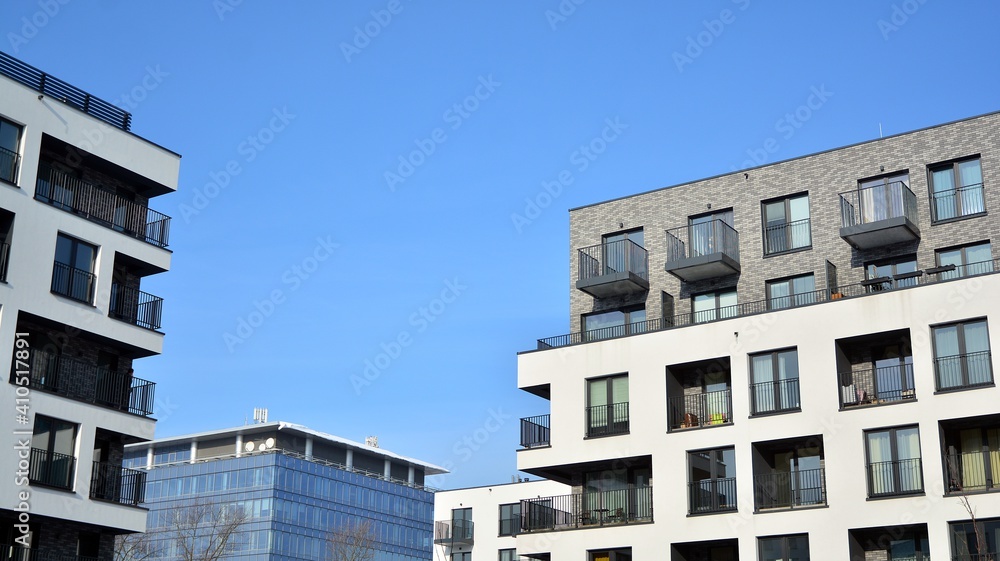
(877,385)
(631,505)
(76,379)
(902,543)
(710,496)
(535,431)
(703,251)
(51,469)
(112,482)
(700,410)
(959,202)
(778,396)
(895,478)
(787,237)
(102,206)
(617,268)
(131,305)
(73,283)
(453,532)
(9,162)
(607,420)
(789,489)
(967,371)
(879,215)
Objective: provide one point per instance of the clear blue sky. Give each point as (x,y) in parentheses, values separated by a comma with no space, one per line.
(310,104)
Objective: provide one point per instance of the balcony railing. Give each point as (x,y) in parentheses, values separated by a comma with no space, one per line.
(896,477)
(955,203)
(51,469)
(873,204)
(4,260)
(973,471)
(87,382)
(73,283)
(712,495)
(70,95)
(112,482)
(450,532)
(607,420)
(101,205)
(703,250)
(133,306)
(535,431)
(789,236)
(789,489)
(700,409)
(611,258)
(971,370)
(9,162)
(590,508)
(854,290)
(774,396)
(887,384)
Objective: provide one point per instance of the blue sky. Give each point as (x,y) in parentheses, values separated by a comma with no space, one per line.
(363,182)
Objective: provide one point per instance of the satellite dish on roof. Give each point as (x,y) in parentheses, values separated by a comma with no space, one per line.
(269,443)
(248,446)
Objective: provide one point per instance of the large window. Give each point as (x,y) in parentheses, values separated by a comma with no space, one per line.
(616,323)
(956,190)
(893,273)
(894,466)
(10,141)
(788,293)
(607,406)
(507,555)
(962,355)
(968,260)
(707,234)
(463,556)
(882,198)
(73,269)
(775,385)
(622,252)
(510,519)
(966,544)
(711,306)
(712,480)
(461,524)
(784,548)
(786,224)
(53,443)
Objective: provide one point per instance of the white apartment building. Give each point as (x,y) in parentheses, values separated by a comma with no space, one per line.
(76,239)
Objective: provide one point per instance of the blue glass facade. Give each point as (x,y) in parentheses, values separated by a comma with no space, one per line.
(293,505)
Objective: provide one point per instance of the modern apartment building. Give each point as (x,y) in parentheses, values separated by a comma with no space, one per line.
(295,485)
(799,355)
(77,238)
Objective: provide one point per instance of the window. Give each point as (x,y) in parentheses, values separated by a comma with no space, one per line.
(510,519)
(974,259)
(616,323)
(775,385)
(52,445)
(788,293)
(463,556)
(972,455)
(10,141)
(461,524)
(894,462)
(712,480)
(607,406)
(965,544)
(714,305)
(507,555)
(888,274)
(784,548)
(882,198)
(956,190)
(73,269)
(617,495)
(712,233)
(623,554)
(962,355)
(786,224)
(624,252)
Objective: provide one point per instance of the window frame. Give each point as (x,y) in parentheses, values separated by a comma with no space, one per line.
(716,506)
(73,279)
(715,310)
(896,490)
(961,270)
(892,283)
(784,545)
(514,528)
(612,425)
(963,352)
(55,425)
(16,159)
(627,327)
(776,390)
(953,166)
(994,524)
(787,200)
(792,296)
(508,554)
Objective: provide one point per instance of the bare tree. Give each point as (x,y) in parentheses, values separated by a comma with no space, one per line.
(957,488)
(204,531)
(134,547)
(353,542)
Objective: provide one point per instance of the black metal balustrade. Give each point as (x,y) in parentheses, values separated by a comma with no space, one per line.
(774,396)
(712,495)
(535,431)
(101,205)
(73,283)
(52,469)
(955,203)
(699,240)
(112,482)
(973,471)
(77,379)
(630,505)
(887,384)
(971,370)
(4,260)
(133,306)
(9,163)
(609,258)
(450,532)
(877,203)
(896,477)
(607,420)
(789,489)
(700,409)
(859,289)
(789,236)
(70,95)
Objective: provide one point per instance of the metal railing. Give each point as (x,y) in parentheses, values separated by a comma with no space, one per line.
(535,431)
(10,161)
(50,468)
(774,396)
(606,420)
(112,482)
(865,288)
(70,95)
(970,370)
(134,306)
(453,531)
(896,477)
(789,236)
(973,471)
(955,203)
(700,410)
(73,283)
(866,205)
(705,238)
(613,257)
(4,260)
(588,508)
(887,384)
(81,380)
(789,489)
(101,205)
(712,495)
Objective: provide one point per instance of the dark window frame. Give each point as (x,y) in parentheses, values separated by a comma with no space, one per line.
(513,518)
(896,491)
(787,200)
(611,426)
(627,327)
(714,478)
(963,249)
(55,425)
(956,178)
(14,157)
(893,262)
(785,550)
(963,352)
(994,523)
(792,296)
(715,309)
(776,382)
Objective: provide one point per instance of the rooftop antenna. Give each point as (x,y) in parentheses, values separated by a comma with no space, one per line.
(880,129)
(259,415)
